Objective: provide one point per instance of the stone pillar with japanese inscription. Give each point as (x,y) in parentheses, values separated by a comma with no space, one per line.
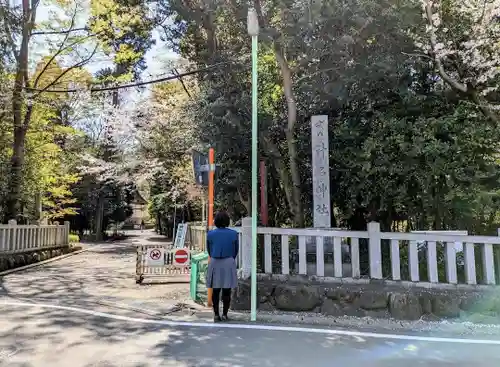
(320,171)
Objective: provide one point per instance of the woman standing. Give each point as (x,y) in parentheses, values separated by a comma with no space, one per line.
(222,246)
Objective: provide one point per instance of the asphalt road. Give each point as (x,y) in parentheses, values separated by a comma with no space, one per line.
(39,336)
(54,316)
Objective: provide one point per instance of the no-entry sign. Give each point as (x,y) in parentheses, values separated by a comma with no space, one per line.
(181,256)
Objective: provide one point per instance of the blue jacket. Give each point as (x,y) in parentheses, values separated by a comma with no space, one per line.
(222,243)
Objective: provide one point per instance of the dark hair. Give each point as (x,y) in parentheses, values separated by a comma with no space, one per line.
(221,219)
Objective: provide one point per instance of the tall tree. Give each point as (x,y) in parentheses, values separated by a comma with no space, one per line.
(27,89)
(124,31)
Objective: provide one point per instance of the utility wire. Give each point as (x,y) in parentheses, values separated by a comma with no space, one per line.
(137,84)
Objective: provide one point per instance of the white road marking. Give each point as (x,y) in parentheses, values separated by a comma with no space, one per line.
(260,326)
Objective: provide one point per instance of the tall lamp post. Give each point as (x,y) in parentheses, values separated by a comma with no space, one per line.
(253,31)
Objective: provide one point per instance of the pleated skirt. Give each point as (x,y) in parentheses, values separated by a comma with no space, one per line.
(221,273)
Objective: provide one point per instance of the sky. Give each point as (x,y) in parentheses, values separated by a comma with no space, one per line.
(158,56)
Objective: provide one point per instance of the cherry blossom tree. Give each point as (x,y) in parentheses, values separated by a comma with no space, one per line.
(122,126)
(462,38)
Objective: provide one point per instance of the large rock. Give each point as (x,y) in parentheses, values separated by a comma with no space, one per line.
(342,295)
(426,303)
(475,303)
(19,260)
(240,299)
(335,308)
(4,264)
(372,300)
(404,306)
(241,296)
(36,256)
(265,292)
(482,304)
(296,297)
(331,308)
(446,306)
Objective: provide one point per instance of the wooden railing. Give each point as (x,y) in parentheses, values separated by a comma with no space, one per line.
(24,238)
(414,257)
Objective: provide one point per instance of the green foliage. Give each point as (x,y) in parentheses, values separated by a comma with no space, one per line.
(123,28)
(45,170)
(404,147)
(74,238)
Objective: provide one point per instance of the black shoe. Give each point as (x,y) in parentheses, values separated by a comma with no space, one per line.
(217,318)
(225,318)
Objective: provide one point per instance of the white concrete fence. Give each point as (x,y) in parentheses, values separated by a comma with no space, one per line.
(25,238)
(393,251)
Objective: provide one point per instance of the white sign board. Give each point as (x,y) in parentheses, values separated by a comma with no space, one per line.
(320,171)
(155,256)
(180,236)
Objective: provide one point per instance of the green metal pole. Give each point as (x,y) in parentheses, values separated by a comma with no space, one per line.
(253,303)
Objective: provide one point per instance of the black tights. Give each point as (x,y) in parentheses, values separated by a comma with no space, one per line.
(226,300)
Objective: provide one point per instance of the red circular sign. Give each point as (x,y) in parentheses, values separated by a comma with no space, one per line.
(181,256)
(155,254)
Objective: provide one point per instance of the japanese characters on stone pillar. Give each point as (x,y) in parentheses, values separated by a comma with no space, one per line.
(320,171)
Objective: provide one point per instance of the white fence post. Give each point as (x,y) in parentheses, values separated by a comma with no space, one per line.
(395,260)
(246,248)
(4,239)
(488,265)
(66,233)
(374,250)
(497,259)
(356,271)
(57,234)
(13,235)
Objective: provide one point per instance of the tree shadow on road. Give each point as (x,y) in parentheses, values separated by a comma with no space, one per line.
(45,336)
(140,344)
(106,272)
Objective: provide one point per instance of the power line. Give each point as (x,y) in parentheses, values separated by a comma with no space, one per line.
(137,84)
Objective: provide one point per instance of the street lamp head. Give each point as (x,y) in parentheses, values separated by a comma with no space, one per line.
(252,23)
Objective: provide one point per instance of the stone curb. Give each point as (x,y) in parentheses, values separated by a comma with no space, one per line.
(457,329)
(29,266)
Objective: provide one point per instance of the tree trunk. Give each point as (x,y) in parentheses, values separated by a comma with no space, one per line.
(277,160)
(38,206)
(286,73)
(298,212)
(245,199)
(99,217)
(21,124)
(16,173)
